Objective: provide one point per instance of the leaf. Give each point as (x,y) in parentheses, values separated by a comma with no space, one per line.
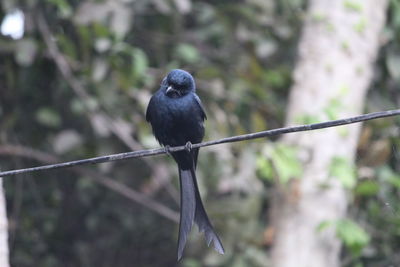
(48,117)
(266,48)
(63,7)
(353,6)
(360,26)
(67,46)
(264,168)
(121,19)
(25,52)
(352,235)
(386,174)
(276,78)
(100,125)
(66,140)
(367,188)
(307,119)
(99,69)
(340,168)
(139,62)
(190,262)
(91,12)
(285,162)
(187,53)
(324,225)
(334,107)
(102,44)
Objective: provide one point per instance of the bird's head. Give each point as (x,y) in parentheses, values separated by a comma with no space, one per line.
(178,83)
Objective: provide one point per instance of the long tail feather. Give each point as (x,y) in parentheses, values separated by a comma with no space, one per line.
(188,207)
(192,209)
(203,222)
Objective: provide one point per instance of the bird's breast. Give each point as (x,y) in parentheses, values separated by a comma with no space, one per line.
(177,121)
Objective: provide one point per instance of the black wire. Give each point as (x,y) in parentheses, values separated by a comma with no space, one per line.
(238,138)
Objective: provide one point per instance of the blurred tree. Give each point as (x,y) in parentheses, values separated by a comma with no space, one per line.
(4,260)
(76,85)
(338,47)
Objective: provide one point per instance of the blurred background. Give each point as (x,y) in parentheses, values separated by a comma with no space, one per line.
(75,81)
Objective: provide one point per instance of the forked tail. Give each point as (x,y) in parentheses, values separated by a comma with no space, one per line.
(192,209)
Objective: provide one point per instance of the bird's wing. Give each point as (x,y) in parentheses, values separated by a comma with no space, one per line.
(149,109)
(150,106)
(198,101)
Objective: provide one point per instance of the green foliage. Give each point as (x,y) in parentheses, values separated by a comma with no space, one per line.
(366,188)
(335,104)
(48,117)
(242,54)
(333,109)
(63,7)
(281,161)
(353,5)
(140,63)
(187,53)
(359,27)
(376,203)
(307,119)
(352,235)
(117,54)
(341,169)
(265,168)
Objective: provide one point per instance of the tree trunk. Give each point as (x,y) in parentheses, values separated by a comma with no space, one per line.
(337,50)
(4,261)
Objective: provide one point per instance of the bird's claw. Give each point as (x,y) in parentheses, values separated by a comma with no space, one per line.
(188,146)
(167,150)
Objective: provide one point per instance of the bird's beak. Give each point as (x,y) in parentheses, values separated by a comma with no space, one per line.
(169,89)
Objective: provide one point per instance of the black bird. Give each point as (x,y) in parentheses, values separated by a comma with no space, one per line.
(177,117)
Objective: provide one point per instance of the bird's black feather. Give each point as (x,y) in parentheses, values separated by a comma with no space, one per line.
(177,116)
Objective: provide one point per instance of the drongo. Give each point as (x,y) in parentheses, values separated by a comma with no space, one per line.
(177,117)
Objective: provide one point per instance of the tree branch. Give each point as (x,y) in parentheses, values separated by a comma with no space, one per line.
(65,69)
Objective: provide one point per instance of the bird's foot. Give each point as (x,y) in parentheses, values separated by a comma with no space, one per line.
(167,150)
(188,146)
